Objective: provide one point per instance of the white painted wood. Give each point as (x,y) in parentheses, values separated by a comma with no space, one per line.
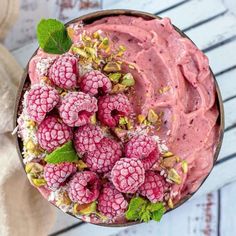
(227,84)
(196,217)
(63,220)
(222,57)
(214,31)
(230,113)
(152,6)
(220,175)
(228,146)
(228,209)
(194,11)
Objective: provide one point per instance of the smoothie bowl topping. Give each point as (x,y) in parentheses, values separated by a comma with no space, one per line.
(119,120)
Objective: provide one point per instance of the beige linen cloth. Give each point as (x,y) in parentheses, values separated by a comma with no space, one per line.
(23,211)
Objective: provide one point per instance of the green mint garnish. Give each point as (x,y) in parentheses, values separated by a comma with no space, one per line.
(52,36)
(65,153)
(143,210)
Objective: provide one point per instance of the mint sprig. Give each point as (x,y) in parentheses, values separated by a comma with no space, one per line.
(143,210)
(52,36)
(65,153)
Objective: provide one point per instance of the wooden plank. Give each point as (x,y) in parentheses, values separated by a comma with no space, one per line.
(193,12)
(196,217)
(230,113)
(142,5)
(63,221)
(228,209)
(223,57)
(227,84)
(228,146)
(220,175)
(213,32)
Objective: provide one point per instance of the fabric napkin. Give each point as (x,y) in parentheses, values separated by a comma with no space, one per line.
(23,211)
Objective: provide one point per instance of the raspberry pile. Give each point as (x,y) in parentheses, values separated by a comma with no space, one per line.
(84,111)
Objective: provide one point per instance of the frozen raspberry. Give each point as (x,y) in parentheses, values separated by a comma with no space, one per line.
(111,108)
(153,187)
(76,108)
(52,133)
(111,202)
(94,82)
(56,174)
(64,71)
(143,147)
(128,175)
(84,187)
(86,137)
(40,100)
(103,158)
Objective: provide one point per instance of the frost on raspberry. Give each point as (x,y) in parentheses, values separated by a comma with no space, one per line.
(143,147)
(153,187)
(111,202)
(86,137)
(40,100)
(84,187)
(128,175)
(104,156)
(53,133)
(56,174)
(112,107)
(64,71)
(76,108)
(95,82)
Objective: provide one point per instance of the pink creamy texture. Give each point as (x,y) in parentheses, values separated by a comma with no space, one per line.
(161,58)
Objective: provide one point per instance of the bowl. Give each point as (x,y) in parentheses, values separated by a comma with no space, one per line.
(87,19)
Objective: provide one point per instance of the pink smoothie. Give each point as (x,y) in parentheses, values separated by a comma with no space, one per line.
(162,58)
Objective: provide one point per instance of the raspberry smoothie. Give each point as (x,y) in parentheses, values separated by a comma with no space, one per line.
(121,126)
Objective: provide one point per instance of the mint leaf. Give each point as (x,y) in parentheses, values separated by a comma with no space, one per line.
(52,36)
(135,206)
(157,210)
(143,210)
(65,153)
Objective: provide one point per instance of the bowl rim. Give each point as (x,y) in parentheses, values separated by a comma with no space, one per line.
(88,19)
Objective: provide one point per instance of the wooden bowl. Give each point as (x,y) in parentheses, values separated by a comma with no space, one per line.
(88,19)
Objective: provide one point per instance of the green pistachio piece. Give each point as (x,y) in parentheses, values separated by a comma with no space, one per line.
(174,176)
(115,77)
(112,66)
(128,80)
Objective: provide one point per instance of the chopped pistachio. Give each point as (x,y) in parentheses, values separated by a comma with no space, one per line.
(88,208)
(75,210)
(112,66)
(129,124)
(131,66)
(174,176)
(164,89)
(104,44)
(81,165)
(96,35)
(33,168)
(115,77)
(91,51)
(170,203)
(152,116)
(185,166)
(141,118)
(118,88)
(169,162)
(146,122)
(177,158)
(64,200)
(70,32)
(121,51)
(30,145)
(38,182)
(123,120)
(128,80)
(31,124)
(168,154)
(80,52)
(93,119)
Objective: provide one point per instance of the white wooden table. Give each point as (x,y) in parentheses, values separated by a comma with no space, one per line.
(211,24)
